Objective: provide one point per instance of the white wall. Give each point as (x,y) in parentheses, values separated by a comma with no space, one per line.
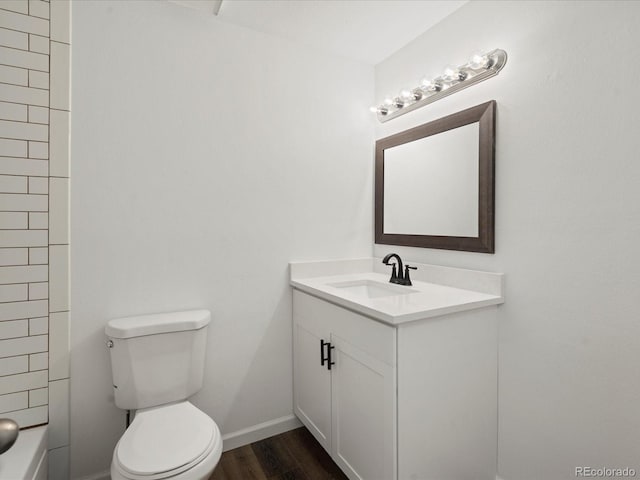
(567,220)
(205,157)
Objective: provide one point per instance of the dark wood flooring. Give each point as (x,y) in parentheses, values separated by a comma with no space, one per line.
(294,455)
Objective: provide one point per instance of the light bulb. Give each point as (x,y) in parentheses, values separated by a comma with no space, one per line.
(452,74)
(406,94)
(388,101)
(429,85)
(478,60)
(381,109)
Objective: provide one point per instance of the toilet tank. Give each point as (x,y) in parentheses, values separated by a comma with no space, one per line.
(157,359)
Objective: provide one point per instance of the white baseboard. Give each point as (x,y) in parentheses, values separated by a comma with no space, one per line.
(105,475)
(259,432)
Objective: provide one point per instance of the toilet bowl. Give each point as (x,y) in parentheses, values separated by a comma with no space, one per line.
(157,364)
(177,442)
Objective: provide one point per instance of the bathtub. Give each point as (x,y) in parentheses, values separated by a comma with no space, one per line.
(27,459)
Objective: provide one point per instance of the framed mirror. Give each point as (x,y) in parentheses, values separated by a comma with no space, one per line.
(434,184)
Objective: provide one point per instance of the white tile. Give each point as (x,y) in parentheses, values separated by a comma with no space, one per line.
(39,44)
(14,75)
(24,59)
(38,185)
(38,361)
(39,326)
(59,211)
(22,310)
(23,166)
(23,203)
(23,346)
(30,417)
(61,21)
(58,413)
(13,256)
(59,143)
(22,381)
(60,64)
(13,220)
(13,39)
(58,278)
(59,457)
(12,148)
(38,79)
(13,184)
(14,328)
(19,94)
(38,256)
(23,274)
(24,131)
(20,6)
(12,111)
(38,114)
(14,293)
(59,346)
(24,23)
(13,401)
(39,150)
(23,238)
(38,397)
(38,220)
(38,8)
(39,291)
(14,365)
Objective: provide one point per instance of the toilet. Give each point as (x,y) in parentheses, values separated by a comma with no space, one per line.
(157,362)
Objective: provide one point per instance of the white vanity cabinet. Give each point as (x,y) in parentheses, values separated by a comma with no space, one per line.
(415,400)
(345,392)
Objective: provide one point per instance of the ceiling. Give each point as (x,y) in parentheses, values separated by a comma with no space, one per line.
(364,30)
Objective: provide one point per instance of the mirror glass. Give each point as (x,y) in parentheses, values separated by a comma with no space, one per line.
(434,183)
(433,172)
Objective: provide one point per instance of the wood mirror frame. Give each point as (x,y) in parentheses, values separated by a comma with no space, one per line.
(484,114)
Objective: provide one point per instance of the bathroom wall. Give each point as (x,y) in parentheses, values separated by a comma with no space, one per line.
(34,219)
(567,220)
(205,158)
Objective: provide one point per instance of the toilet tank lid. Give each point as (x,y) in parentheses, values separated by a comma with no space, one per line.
(138,326)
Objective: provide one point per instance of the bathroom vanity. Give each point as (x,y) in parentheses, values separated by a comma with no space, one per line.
(398,382)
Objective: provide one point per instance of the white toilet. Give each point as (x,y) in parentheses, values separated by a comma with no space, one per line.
(157,363)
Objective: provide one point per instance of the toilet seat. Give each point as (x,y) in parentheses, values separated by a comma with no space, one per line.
(165,441)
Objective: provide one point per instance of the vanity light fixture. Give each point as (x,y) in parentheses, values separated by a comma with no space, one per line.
(480,67)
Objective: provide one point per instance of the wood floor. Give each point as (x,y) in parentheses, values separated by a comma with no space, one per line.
(293,455)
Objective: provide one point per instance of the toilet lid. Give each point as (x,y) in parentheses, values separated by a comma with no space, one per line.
(165,439)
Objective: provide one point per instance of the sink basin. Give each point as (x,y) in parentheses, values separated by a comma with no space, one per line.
(371,288)
(8,434)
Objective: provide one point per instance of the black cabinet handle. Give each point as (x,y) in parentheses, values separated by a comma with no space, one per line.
(322,345)
(329,361)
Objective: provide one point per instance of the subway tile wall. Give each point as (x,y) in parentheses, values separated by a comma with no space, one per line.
(35,53)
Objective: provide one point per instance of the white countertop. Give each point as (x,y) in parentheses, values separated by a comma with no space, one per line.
(425,300)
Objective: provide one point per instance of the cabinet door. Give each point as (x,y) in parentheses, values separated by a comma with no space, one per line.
(311,380)
(363,404)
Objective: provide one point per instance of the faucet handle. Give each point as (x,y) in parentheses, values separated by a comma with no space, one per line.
(394,274)
(407,279)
